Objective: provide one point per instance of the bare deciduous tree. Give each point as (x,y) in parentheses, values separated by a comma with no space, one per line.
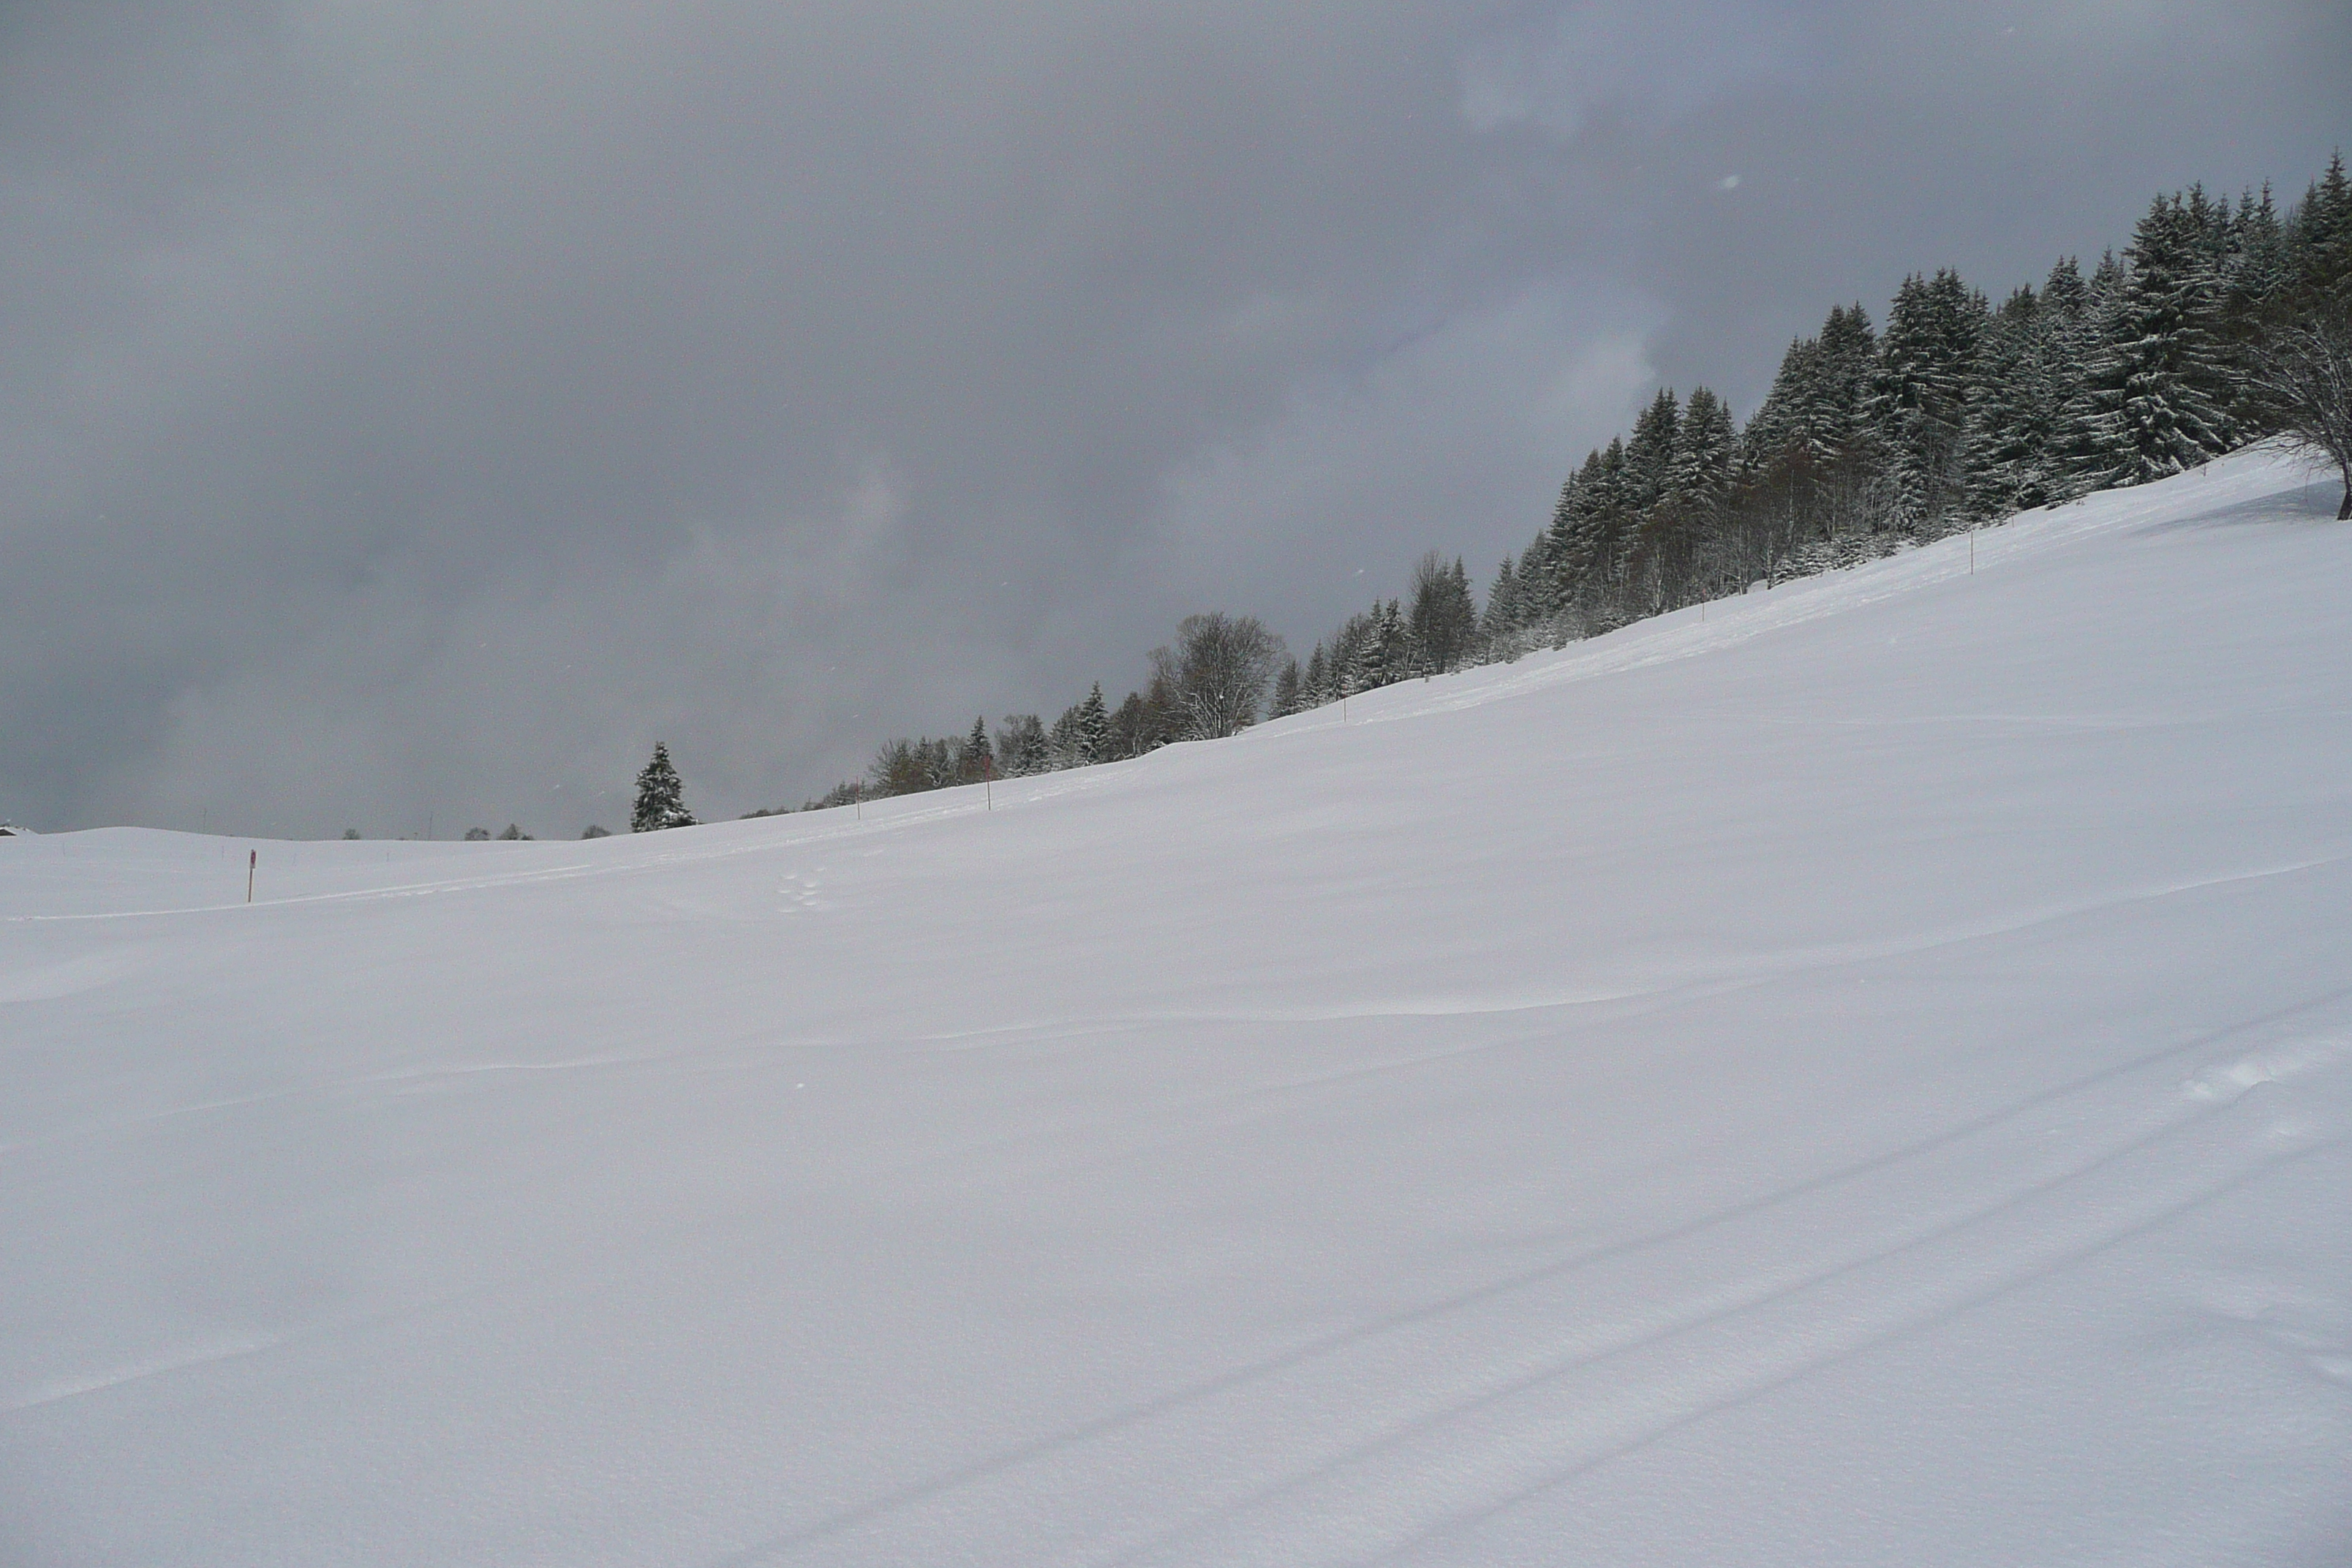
(2304,376)
(1217,673)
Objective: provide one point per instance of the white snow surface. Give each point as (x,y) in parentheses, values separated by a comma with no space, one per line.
(1862,1076)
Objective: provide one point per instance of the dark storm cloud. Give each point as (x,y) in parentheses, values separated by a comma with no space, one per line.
(412,408)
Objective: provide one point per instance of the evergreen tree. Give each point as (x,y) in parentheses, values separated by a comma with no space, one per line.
(2320,246)
(895,769)
(1649,454)
(1135,727)
(2086,445)
(978,757)
(1502,617)
(1315,685)
(1286,690)
(1918,399)
(1645,531)
(2218,324)
(1701,471)
(661,797)
(1062,742)
(1807,456)
(1345,666)
(1850,348)
(1379,651)
(1094,727)
(1544,588)
(2257,271)
(942,762)
(2072,326)
(2259,262)
(1576,574)
(1692,543)
(2011,413)
(2157,397)
(1776,431)
(1020,745)
(1443,617)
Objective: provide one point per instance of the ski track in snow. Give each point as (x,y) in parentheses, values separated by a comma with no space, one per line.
(1457,1454)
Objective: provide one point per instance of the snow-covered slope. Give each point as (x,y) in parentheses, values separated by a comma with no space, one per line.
(1861,1077)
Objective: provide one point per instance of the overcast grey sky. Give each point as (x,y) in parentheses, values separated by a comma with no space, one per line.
(416,409)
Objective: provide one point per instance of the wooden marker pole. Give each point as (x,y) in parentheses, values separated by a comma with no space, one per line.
(252,859)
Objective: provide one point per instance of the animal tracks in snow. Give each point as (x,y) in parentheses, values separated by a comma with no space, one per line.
(802,894)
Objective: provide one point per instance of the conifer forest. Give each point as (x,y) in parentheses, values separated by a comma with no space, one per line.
(2219,323)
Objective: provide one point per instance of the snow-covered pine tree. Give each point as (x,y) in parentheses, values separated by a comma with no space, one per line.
(1376,648)
(661,797)
(1286,684)
(2086,444)
(1647,534)
(977,756)
(2006,440)
(1807,451)
(1501,617)
(942,762)
(1650,452)
(1346,664)
(2320,237)
(1775,431)
(1443,617)
(1839,428)
(2071,329)
(1144,721)
(2157,396)
(1062,741)
(1315,684)
(1394,640)
(1545,591)
(2259,262)
(897,769)
(1094,727)
(1918,400)
(1698,490)
(1576,578)
(1020,745)
(2257,270)
(1544,579)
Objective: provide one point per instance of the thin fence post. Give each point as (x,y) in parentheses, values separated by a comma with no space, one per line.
(252,860)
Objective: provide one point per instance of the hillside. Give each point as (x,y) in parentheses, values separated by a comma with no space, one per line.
(1855,1074)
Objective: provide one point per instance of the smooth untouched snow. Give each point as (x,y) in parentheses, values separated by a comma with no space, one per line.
(1863,1077)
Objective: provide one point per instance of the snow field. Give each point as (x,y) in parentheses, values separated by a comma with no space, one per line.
(1863,1077)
